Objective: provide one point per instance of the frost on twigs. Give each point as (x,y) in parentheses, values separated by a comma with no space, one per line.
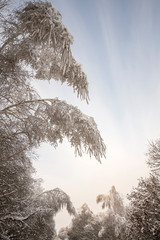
(38,38)
(49,66)
(52,120)
(40,120)
(44,23)
(144,210)
(154,157)
(86,225)
(55,200)
(112,201)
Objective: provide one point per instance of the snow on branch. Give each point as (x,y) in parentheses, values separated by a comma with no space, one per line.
(52,120)
(43,42)
(55,199)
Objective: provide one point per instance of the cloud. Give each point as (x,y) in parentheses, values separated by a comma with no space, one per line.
(133,67)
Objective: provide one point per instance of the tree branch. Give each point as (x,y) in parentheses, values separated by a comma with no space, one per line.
(8,41)
(25,102)
(4,195)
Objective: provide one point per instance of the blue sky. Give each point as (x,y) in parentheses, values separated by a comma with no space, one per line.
(118,44)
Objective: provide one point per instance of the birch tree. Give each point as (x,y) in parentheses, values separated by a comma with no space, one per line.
(36,44)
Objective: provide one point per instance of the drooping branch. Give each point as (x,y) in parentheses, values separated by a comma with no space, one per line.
(52,120)
(55,199)
(43,42)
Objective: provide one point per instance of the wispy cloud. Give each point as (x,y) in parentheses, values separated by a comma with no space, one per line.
(133,67)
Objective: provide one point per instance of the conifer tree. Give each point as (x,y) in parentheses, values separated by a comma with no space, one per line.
(144,210)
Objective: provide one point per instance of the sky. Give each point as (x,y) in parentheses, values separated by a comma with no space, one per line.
(118,44)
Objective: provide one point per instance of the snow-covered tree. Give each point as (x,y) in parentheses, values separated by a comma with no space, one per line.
(113,221)
(108,225)
(25,210)
(63,233)
(154,157)
(112,201)
(85,226)
(144,210)
(112,226)
(36,44)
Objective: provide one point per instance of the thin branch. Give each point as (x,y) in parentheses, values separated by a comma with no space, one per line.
(4,237)
(25,102)
(3,4)
(12,155)
(4,195)
(8,41)
(14,115)
(42,194)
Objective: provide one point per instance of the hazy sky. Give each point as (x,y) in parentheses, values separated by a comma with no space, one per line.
(118,44)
